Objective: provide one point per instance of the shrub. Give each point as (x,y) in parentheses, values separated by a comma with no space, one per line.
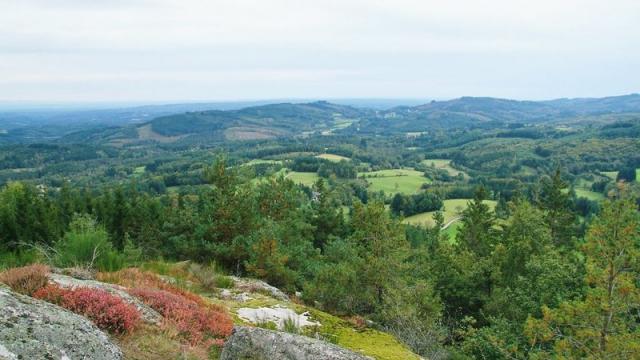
(87,245)
(224,282)
(208,278)
(194,321)
(11,259)
(290,325)
(27,279)
(134,278)
(107,311)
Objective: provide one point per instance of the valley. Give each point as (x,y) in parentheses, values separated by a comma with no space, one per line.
(443,230)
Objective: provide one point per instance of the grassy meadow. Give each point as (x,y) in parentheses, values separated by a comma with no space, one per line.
(405,181)
(452,209)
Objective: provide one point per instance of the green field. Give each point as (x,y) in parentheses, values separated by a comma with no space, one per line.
(452,210)
(261,161)
(305,178)
(638,175)
(332,157)
(406,181)
(452,230)
(444,164)
(610,174)
(138,171)
(591,195)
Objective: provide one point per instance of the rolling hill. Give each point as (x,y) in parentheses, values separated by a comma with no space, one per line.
(285,120)
(251,123)
(487,112)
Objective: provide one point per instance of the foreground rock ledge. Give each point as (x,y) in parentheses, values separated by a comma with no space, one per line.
(34,329)
(250,343)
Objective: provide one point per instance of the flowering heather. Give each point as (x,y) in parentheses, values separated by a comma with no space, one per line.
(135,278)
(107,311)
(196,322)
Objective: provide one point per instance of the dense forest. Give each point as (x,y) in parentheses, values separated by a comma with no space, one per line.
(471,229)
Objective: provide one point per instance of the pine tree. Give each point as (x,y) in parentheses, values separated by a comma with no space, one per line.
(477,232)
(327,221)
(555,200)
(383,246)
(605,324)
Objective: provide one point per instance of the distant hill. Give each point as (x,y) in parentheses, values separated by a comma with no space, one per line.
(206,123)
(483,111)
(251,123)
(596,106)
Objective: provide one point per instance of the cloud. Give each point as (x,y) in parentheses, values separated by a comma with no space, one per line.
(354,48)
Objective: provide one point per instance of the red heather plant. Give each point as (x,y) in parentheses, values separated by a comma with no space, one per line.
(27,279)
(196,322)
(107,311)
(135,278)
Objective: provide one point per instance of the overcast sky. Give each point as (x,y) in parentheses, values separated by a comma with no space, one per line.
(161,50)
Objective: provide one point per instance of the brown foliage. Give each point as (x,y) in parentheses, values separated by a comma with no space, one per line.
(27,279)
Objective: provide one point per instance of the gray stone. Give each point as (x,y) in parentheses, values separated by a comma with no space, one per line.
(250,343)
(146,313)
(254,285)
(34,329)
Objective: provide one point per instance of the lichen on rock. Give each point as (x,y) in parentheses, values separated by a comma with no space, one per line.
(34,329)
(261,344)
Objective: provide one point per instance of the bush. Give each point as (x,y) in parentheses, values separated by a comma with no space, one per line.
(87,245)
(134,278)
(208,278)
(12,259)
(195,322)
(107,311)
(26,280)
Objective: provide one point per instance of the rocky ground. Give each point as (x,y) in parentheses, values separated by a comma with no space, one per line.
(34,329)
(268,325)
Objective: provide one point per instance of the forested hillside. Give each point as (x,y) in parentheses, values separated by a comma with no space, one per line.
(476,228)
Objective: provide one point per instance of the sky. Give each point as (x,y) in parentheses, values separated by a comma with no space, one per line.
(217,50)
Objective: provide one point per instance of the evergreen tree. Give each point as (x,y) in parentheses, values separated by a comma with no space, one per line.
(603,325)
(326,219)
(383,246)
(555,200)
(477,233)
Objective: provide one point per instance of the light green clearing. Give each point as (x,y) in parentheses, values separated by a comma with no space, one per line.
(281,172)
(638,175)
(452,210)
(332,157)
(610,174)
(452,230)
(345,212)
(261,161)
(304,178)
(341,124)
(139,170)
(591,195)
(444,164)
(405,181)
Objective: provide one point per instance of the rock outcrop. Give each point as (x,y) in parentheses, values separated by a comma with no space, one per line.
(34,329)
(250,343)
(278,315)
(254,285)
